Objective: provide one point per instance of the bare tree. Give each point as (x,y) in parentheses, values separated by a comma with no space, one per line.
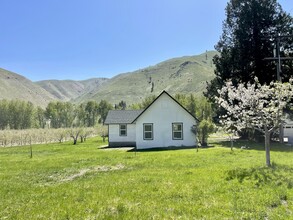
(74,134)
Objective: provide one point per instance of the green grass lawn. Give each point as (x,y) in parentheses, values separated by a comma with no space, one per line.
(63,181)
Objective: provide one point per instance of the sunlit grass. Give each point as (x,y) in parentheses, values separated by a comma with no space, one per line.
(63,181)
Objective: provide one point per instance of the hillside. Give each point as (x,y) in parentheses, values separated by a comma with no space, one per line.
(179,75)
(66,90)
(14,86)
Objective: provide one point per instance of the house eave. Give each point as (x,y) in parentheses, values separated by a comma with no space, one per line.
(164,92)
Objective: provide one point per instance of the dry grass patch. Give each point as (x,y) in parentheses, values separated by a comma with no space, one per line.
(59,178)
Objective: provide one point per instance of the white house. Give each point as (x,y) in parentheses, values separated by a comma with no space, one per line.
(164,123)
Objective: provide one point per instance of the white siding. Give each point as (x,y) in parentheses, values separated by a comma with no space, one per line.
(162,113)
(115,137)
(288,132)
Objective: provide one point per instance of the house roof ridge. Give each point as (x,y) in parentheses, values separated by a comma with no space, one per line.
(164,92)
(127,110)
(116,116)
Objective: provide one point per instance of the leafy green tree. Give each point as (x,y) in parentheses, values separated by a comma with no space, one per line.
(147,101)
(182,99)
(52,114)
(61,114)
(27,112)
(80,112)
(204,113)
(144,104)
(68,114)
(244,43)
(202,109)
(103,109)
(135,106)
(40,118)
(14,114)
(20,114)
(4,114)
(191,105)
(91,112)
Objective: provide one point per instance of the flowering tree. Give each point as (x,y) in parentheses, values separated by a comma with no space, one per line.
(255,106)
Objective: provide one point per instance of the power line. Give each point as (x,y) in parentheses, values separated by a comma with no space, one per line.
(277,56)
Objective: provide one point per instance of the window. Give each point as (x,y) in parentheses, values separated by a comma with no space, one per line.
(123,130)
(177,130)
(148,131)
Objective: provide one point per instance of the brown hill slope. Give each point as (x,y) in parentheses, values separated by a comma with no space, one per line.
(65,90)
(179,75)
(15,86)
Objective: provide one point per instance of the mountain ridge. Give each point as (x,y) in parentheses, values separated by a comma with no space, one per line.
(187,74)
(15,86)
(66,90)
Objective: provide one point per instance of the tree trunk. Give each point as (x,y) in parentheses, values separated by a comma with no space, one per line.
(267,147)
(203,140)
(232,144)
(74,141)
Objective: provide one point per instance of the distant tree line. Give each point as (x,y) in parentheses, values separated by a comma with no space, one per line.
(21,115)
(17,114)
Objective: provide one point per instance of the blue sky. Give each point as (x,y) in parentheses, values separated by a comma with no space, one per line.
(81,39)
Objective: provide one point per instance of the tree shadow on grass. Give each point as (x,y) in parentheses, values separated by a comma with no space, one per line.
(251,145)
(275,175)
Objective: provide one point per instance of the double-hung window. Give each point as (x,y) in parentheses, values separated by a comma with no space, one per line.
(177,131)
(148,131)
(123,130)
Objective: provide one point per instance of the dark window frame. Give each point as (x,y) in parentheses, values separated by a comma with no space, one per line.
(151,132)
(174,131)
(123,129)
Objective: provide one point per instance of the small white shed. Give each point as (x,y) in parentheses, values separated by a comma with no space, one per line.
(164,123)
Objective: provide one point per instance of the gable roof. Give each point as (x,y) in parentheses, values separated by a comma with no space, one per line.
(122,116)
(164,92)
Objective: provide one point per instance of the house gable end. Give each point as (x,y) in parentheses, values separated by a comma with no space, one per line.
(164,92)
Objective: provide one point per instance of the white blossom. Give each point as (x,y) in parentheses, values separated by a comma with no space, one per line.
(254,106)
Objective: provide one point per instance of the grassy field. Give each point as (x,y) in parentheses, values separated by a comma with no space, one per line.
(86,181)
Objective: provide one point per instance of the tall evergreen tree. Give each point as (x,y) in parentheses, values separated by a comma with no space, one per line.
(245,42)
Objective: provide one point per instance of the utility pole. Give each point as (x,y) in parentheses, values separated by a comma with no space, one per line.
(277,53)
(277,57)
